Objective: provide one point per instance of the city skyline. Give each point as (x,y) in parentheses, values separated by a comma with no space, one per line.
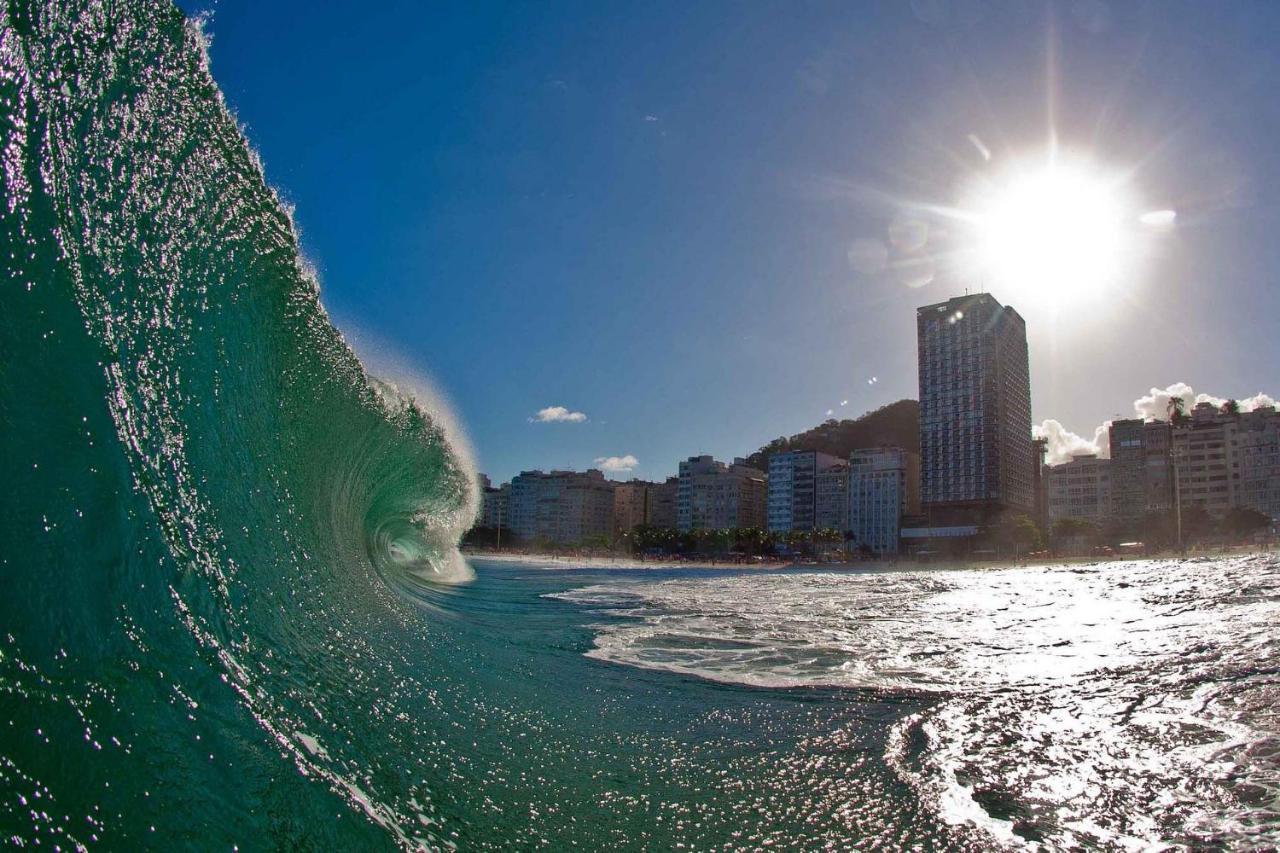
(638,295)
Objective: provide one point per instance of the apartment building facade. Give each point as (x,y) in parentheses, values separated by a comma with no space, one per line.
(883,489)
(711,495)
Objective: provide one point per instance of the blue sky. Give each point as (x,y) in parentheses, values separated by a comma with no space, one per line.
(644,212)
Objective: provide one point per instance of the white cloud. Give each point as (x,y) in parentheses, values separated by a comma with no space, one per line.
(1154,405)
(557,414)
(617,464)
(1063,443)
(1257,401)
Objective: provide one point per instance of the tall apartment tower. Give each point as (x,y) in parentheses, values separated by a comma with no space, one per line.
(792,496)
(975,409)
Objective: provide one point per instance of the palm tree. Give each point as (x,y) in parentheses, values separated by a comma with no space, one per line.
(1177,410)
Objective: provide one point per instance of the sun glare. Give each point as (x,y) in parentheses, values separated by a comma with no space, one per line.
(1053,233)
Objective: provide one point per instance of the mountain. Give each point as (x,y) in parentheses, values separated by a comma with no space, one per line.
(897,425)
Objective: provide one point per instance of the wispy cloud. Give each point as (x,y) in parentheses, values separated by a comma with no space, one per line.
(557,414)
(617,464)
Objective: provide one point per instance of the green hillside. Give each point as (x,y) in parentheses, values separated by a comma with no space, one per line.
(897,424)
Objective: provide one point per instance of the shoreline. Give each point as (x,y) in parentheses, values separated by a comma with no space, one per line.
(562,561)
(597,562)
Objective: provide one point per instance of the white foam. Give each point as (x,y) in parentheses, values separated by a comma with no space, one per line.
(1108,702)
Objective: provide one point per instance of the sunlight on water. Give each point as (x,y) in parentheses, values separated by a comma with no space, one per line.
(1123,704)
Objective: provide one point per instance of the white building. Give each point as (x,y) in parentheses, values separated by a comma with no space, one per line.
(564,507)
(711,495)
(792,490)
(1080,489)
(882,489)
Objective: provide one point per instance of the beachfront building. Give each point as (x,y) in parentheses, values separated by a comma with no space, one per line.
(1080,489)
(831,499)
(661,511)
(711,495)
(975,409)
(1255,457)
(1040,498)
(1141,470)
(1228,459)
(883,488)
(1202,447)
(792,489)
(562,507)
(494,502)
(630,505)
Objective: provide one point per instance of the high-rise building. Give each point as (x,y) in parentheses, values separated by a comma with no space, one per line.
(630,504)
(792,491)
(662,504)
(831,502)
(1201,447)
(1140,470)
(494,510)
(975,409)
(1226,459)
(1255,452)
(1080,489)
(565,507)
(711,495)
(882,490)
(1040,498)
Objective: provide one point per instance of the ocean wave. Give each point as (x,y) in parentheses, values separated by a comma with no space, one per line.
(210,493)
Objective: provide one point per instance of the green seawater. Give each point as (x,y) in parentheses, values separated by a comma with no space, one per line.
(232,615)
(222,622)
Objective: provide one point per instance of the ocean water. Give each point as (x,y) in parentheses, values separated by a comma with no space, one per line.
(233,615)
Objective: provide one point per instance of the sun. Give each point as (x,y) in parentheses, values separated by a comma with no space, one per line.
(1052,232)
